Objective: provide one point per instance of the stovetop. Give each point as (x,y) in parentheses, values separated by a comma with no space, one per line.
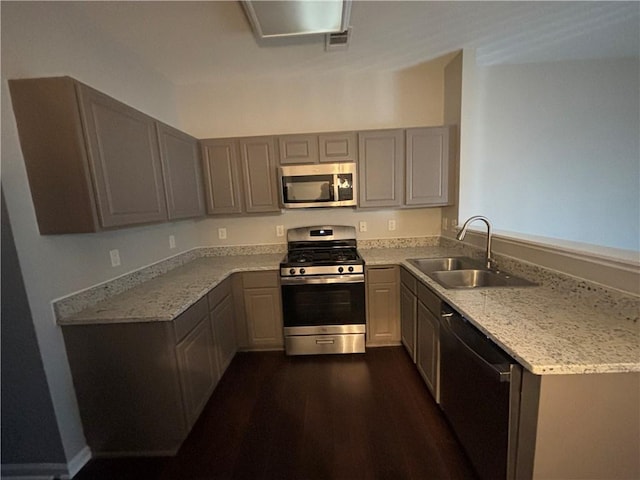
(321,250)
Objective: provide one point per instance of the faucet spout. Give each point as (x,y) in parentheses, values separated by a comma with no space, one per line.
(463,231)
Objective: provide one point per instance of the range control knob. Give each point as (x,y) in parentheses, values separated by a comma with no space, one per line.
(340,269)
(302,271)
(350,269)
(292,271)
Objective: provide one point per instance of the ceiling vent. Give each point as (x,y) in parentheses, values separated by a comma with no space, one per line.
(337,41)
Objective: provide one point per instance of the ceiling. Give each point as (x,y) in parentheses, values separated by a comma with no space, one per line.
(193,42)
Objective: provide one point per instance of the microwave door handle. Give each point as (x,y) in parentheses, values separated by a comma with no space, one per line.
(336,184)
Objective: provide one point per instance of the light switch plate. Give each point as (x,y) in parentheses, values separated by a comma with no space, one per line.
(280,230)
(172,241)
(115,257)
(222,233)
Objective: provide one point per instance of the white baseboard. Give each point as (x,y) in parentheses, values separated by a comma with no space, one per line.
(46,471)
(34,471)
(79,461)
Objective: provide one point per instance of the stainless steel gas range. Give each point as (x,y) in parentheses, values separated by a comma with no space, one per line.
(323,293)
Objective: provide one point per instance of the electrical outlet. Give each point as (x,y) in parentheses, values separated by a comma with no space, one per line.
(454,223)
(172,241)
(115,257)
(280,230)
(222,233)
(444,223)
(392,225)
(363,226)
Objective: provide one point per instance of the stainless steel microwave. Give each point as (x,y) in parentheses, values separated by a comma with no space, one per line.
(325,185)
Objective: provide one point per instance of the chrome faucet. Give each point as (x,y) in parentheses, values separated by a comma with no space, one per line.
(463,232)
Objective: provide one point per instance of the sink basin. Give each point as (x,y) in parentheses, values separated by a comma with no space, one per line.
(475,278)
(428,265)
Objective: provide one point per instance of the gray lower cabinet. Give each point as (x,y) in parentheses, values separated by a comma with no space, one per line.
(261,321)
(141,386)
(408,312)
(380,168)
(383,315)
(428,339)
(198,367)
(94,163)
(182,173)
(223,324)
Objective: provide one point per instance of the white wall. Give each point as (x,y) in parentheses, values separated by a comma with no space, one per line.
(552,149)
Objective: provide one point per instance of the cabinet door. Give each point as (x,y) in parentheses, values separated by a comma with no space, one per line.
(264,318)
(408,319)
(198,369)
(380,168)
(298,149)
(382,306)
(259,174)
(224,333)
(221,175)
(338,147)
(181,168)
(124,159)
(427,172)
(428,349)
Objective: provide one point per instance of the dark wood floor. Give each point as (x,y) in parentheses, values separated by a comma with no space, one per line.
(319,417)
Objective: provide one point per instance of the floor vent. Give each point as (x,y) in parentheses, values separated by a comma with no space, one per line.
(337,41)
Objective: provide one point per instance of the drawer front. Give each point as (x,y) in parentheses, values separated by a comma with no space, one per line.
(189,319)
(429,299)
(409,280)
(260,279)
(382,274)
(219,293)
(322,344)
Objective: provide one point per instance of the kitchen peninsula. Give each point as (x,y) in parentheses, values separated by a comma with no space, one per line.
(580,348)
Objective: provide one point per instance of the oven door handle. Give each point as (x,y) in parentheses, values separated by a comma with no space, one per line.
(320,280)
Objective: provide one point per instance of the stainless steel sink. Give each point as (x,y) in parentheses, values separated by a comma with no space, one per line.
(465,272)
(475,278)
(428,265)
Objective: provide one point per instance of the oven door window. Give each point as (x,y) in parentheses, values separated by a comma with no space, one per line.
(316,305)
(308,188)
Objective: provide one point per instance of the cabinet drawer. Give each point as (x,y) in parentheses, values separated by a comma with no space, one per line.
(382,274)
(408,279)
(260,279)
(218,293)
(429,299)
(187,320)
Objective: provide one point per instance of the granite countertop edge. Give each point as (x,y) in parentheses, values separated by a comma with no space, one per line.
(502,314)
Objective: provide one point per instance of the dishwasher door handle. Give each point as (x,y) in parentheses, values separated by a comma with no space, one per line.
(502,371)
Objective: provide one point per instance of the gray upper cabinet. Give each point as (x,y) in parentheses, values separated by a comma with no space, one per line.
(222,176)
(95,163)
(298,149)
(317,148)
(427,166)
(181,166)
(338,147)
(124,160)
(380,168)
(259,174)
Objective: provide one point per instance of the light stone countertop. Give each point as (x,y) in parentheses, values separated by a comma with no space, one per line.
(548,331)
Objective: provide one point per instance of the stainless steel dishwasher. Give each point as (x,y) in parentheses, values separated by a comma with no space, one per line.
(480,396)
